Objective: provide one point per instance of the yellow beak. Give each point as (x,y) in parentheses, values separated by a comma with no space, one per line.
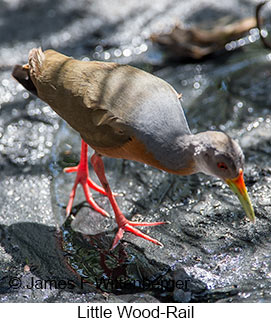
(237,185)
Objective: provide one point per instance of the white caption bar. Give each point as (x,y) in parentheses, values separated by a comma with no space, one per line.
(154,312)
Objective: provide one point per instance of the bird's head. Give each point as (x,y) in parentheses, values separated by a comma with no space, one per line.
(219,155)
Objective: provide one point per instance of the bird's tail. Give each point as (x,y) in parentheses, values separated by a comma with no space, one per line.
(23,73)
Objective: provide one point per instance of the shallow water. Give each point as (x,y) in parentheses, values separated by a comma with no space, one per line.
(209,246)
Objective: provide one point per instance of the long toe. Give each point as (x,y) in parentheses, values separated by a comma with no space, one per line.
(69,206)
(91,201)
(146,224)
(118,237)
(70,169)
(95,186)
(72,195)
(140,234)
(130,227)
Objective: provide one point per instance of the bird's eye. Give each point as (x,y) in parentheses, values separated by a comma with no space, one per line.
(222,166)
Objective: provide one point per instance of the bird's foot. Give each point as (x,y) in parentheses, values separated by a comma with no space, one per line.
(129,226)
(123,223)
(90,182)
(86,182)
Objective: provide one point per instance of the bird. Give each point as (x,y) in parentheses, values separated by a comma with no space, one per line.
(124,112)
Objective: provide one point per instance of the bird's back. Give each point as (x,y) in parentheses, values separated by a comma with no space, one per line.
(110,104)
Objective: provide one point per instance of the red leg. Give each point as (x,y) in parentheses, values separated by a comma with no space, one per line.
(82,177)
(123,223)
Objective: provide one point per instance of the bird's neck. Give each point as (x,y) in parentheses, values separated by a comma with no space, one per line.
(175,155)
(189,153)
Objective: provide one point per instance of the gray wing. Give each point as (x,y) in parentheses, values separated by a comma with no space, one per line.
(147,107)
